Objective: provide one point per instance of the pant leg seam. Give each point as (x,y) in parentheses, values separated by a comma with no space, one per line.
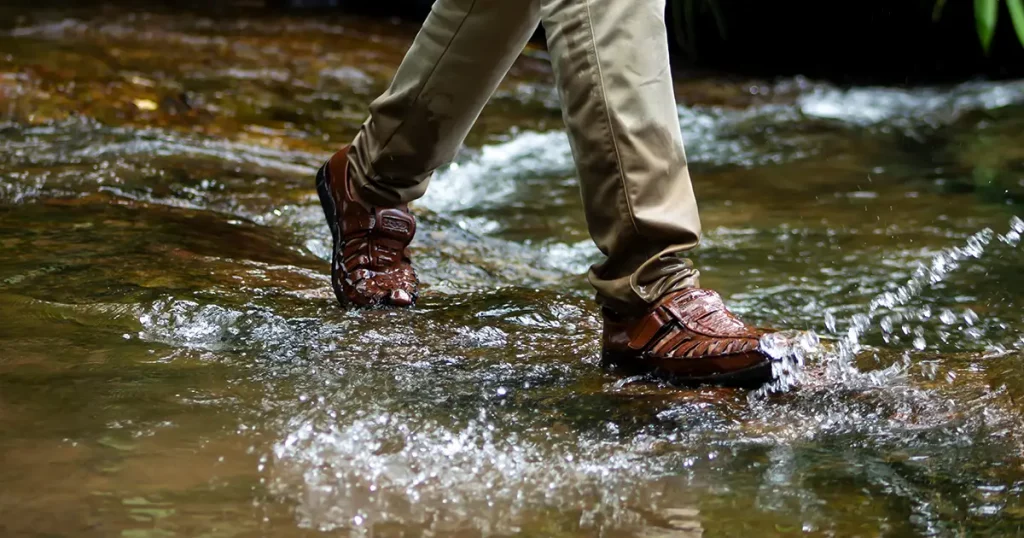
(426,82)
(608,116)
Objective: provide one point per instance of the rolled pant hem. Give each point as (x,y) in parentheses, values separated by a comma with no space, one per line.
(374,189)
(638,299)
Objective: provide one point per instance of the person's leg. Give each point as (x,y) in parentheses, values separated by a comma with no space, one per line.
(461,54)
(456,61)
(612,66)
(611,62)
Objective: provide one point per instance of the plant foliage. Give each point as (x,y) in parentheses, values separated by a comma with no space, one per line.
(986,18)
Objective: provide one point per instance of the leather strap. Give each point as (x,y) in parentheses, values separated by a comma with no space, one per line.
(691,323)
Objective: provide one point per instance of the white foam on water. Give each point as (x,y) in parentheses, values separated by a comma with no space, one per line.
(873,105)
(490,175)
(354,472)
(714,135)
(188,324)
(157,142)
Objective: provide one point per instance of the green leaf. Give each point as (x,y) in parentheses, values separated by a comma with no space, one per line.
(985,13)
(1016,8)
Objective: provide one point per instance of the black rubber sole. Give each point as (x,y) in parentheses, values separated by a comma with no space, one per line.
(323,190)
(751,377)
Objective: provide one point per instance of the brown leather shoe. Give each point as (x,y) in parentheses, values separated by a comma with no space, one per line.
(371,265)
(691,338)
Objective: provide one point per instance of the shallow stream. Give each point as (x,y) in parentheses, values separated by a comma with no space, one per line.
(173,362)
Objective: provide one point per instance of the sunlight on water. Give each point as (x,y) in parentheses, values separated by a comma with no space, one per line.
(360,471)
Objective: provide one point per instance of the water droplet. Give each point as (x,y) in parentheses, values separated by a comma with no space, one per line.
(919,343)
(975,246)
(947,316)
(1011,238)
(924,313)
(1016,224)
(502,391)
(830,322)
(970,317)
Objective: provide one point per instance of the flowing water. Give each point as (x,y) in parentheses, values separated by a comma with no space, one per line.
(173,363)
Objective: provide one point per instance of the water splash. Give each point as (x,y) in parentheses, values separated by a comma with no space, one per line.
(354,472)
(791,351)
(896,325)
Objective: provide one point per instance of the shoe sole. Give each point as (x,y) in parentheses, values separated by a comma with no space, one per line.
(323,190)
(750,377)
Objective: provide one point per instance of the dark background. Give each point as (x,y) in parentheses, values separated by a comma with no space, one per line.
(890,41)
(873,41)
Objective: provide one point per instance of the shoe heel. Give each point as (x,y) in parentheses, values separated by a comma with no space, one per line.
(323,191)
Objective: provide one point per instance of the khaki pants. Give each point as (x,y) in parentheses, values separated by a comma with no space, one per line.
(611,63)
